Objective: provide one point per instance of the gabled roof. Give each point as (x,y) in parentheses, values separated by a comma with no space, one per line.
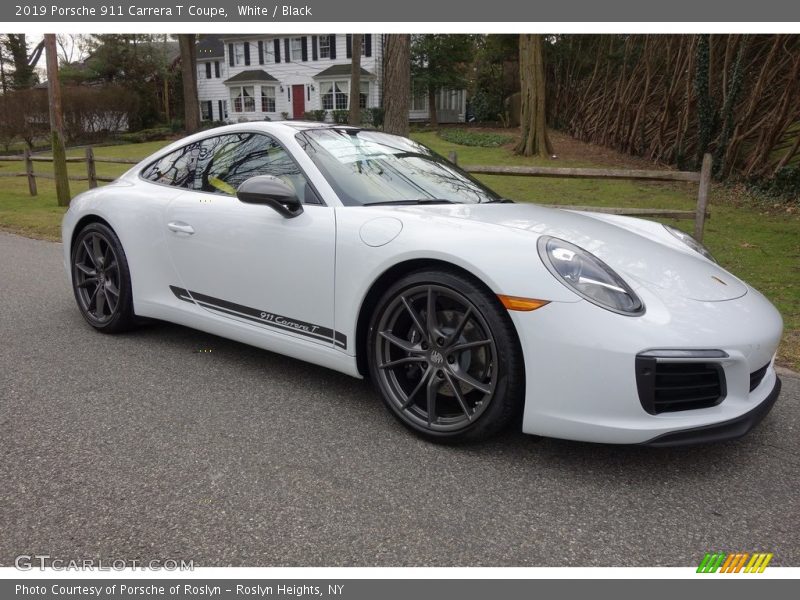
(210,46)
(248,76)
(342,70)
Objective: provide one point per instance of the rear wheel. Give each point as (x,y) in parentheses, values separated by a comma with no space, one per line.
(445,357)
(101,280)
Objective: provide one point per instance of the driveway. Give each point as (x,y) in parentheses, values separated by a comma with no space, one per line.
(170,443)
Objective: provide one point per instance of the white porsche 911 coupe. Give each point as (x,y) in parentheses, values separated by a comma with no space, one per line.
(370,254)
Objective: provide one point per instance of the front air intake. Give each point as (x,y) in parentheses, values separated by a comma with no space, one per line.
(672,386)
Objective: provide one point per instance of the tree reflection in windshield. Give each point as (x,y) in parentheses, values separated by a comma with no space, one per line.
(366,167)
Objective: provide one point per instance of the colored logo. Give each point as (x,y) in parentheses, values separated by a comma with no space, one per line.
(739,562)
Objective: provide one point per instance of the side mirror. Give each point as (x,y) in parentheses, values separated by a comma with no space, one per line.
(269,190)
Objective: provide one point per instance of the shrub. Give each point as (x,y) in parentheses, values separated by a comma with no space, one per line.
(486,105)
(146,135)
(483,139)
(315,115)
(373,116)
(783,187)
(285,116)
(341,117)
(211,124)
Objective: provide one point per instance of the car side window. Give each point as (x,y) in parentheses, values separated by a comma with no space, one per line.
(176,168)
(226,161)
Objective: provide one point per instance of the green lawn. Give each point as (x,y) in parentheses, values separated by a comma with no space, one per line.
(760,245)
(39,216)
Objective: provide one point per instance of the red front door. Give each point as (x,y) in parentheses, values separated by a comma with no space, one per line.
(298,101)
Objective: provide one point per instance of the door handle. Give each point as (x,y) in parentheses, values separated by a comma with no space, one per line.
(180,227)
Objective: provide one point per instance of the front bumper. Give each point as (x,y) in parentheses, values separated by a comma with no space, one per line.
(581,377)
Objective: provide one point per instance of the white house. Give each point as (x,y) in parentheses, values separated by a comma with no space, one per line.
(252,77)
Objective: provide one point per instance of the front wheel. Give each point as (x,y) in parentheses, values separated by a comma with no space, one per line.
(101,280)
(445,357)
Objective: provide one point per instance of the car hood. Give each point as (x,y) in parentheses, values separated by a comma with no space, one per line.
(641,251)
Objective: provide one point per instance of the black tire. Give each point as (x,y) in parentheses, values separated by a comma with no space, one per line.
(101,280)
(466,363)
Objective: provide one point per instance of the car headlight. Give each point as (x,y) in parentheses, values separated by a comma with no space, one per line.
(588,276)
(691,242)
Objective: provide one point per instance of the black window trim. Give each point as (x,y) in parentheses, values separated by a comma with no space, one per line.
(200,141)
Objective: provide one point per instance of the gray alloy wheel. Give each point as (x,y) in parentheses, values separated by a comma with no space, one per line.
(101,280)
(435,357)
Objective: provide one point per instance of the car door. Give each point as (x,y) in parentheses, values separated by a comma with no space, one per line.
(246,262)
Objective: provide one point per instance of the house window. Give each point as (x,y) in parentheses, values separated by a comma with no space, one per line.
(297,49)
(208,70)
(335,94)
(224,109)
(205,110)
(325,46)
(419,99)
(451,99)
(269,51)
(243,99)
(267,99)
(238,53)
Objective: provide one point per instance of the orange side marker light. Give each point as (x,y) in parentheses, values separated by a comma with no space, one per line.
(524,304)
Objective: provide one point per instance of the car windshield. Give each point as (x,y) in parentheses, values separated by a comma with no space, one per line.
(369,167)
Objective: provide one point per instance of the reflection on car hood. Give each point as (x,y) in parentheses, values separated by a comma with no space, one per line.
(641,251)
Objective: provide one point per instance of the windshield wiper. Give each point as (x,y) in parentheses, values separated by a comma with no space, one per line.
(412,202)
(500,201)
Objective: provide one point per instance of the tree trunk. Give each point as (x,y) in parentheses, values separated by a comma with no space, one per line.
(534,139)
(3,84)
(355,82)
(23,75)
(56,122)
(432,116)
(191,107)
(397,84)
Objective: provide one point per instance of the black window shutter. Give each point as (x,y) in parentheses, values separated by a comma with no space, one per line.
(286,46)
(260,52)
(208,70)
(219,105)
(305,47)
(216,69)
(230,54)
(210,109)
(314,54)
(277,44)
(247,53)
(349,46)
(367,44)
(333,47)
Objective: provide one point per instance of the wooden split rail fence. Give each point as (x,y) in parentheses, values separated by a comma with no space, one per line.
(89,158)
(702,178)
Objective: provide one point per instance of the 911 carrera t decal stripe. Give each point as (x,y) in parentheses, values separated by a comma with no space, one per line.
(262,317)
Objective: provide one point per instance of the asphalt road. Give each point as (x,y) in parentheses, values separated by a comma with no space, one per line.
(142,447)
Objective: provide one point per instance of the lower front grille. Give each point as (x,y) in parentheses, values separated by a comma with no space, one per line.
(676,386)
(757,376)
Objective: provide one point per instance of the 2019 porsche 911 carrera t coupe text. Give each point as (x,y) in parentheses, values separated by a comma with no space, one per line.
(369,254)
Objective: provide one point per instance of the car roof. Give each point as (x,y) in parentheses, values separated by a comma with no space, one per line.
(275,126)
(279,129)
